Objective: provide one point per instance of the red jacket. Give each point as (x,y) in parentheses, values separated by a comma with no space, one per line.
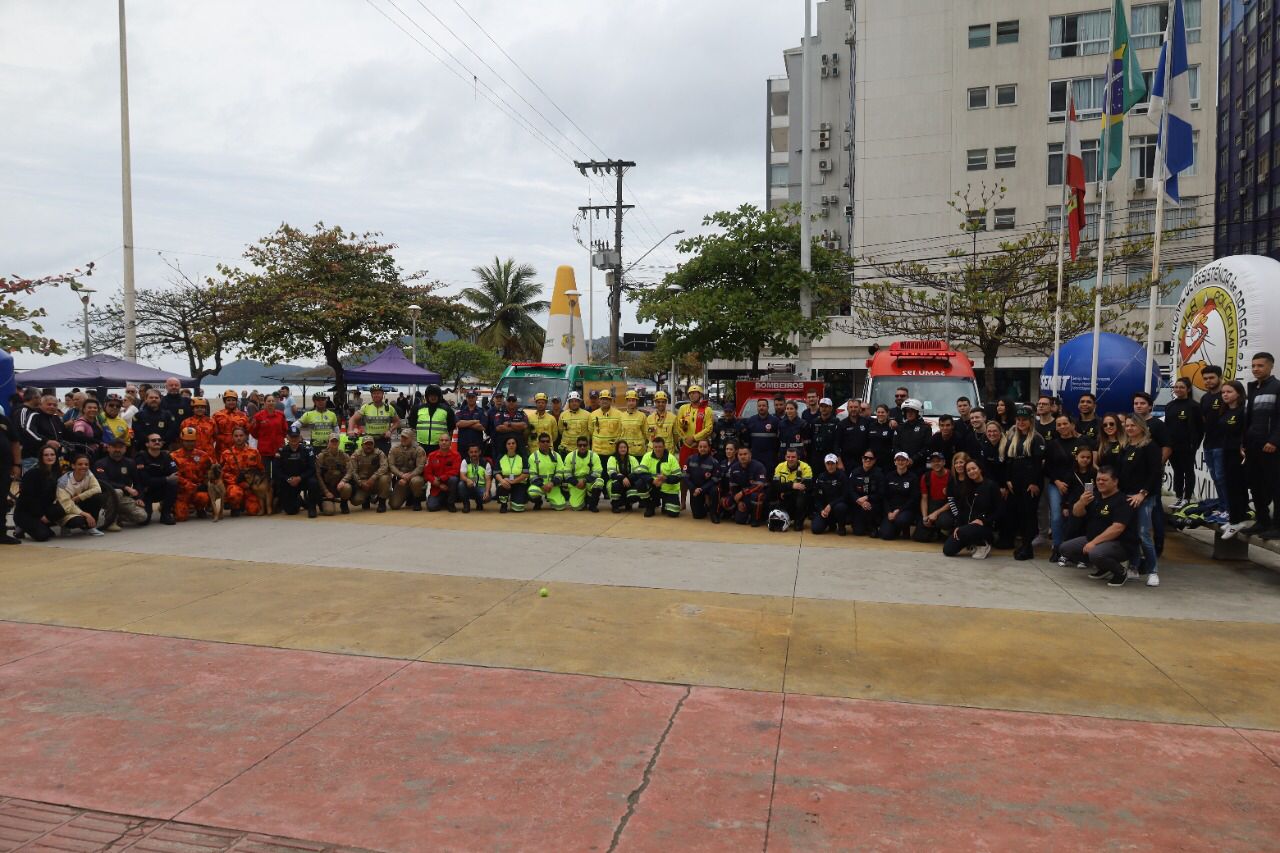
(269,427)
(440,467)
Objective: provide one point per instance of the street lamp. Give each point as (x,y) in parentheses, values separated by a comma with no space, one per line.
(671,377)
(651,248)
(573,303)
(84,301)
(414,311)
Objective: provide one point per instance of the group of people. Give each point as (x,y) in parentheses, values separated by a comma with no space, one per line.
(974,483)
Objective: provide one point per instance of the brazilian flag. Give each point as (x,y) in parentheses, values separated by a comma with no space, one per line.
(1125,89)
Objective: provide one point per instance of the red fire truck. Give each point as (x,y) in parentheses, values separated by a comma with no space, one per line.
(747,391)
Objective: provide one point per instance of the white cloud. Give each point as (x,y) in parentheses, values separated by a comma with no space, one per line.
(246,114)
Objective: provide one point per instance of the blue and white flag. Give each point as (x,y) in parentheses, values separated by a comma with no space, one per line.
(1171,100)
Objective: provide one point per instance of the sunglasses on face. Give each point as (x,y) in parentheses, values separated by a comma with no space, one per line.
(868,459)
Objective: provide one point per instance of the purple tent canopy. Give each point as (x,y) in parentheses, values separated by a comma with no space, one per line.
(391,366)
(95,371)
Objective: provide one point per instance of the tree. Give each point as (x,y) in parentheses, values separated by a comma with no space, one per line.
(505,304)
(458,359)
(20,329)
(1000,298)
(193,318)
(327,293)
(739,295)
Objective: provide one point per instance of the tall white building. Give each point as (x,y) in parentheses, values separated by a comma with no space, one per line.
(916,100)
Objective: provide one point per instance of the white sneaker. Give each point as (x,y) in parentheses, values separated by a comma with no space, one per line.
(1062,561)
(1230,530)
(1153,579)
(93,531)
(1132,573)
(1082,565)
(1178,504)
(981,552)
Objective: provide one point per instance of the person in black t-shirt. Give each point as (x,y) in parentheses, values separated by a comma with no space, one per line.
(902,498)
(1182,419)
(1088,424)
(1109,529)
(1214,509)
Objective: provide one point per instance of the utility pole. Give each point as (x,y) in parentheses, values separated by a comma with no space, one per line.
(804,355)
(126,197)
(618,168)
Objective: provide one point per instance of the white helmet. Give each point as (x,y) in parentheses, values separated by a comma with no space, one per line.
(779,521)
(574,395)
(912,403)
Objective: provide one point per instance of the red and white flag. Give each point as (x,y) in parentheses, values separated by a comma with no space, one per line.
(1074,163)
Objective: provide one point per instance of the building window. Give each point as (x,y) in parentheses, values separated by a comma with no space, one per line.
(1006,157)
(1088,153)
(1251,57)
(1142,156)
(1142,214)
(1088,92)
(1085,34)
(1006,32)
(779,175)
(978,98)
(975,220)
(1195,154)
(1006,218)
(1191,17)
(1264,165)
(1250,96)
(1007,95)
(1181,218)
(1193,84)
(980,35)
(1263,206)
(1147,24)
(1053,221)
(977,159)
(1275,198)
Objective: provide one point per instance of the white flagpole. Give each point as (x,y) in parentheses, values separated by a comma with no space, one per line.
(1102,204)
(1159,173)
(1062,247)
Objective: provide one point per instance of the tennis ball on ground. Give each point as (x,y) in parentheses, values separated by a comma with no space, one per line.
(543,592)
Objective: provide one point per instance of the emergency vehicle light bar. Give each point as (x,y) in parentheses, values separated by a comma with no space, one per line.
(925,350)
(537,364)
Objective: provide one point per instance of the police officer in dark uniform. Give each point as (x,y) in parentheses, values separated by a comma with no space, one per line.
(912,436)
(10,467)
(763,435)
(856,437)
(155,474)
(295,471)
(727,428)
(826,431)
(153,418)
(830,491)
(866,494)
(179,407)
(793,432)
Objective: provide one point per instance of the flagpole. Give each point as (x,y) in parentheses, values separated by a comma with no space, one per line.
(1062,250)
(1158,172)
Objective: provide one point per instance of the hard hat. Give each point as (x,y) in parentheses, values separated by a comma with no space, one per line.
(693,388)
(189,433)
(230,395)
(606,394)
(632,395)
(375,387)
(661,395)
(574,395)
(539,396)
(912,403)
(319,395)
(432,389)
(195,401)
(779,521)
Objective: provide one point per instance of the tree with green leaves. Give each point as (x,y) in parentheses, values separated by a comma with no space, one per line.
(457,359)
(504,305)
(325,294)
(192,318)
(1000,298)
(20,327)
(738,296)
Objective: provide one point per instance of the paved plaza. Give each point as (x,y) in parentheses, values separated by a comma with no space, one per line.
(396,682)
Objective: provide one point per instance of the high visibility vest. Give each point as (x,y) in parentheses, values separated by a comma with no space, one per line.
(544,465)
(538,424)
(320,425)
(511,466)
(475,473)
(432,425)
(377,419)
(668,467)
(582,467)
(572,425)
(606,428)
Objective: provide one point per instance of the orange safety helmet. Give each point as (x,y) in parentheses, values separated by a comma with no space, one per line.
(189,433)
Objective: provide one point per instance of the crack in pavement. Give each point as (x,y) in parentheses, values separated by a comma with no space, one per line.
(633,799)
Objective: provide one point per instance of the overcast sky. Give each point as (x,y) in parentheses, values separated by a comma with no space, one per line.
(246,114)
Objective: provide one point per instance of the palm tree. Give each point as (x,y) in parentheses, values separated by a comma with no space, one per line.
(506,302)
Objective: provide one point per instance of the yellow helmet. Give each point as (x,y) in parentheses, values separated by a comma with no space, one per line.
(661,395)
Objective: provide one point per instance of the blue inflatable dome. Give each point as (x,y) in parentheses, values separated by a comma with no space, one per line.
(7,383)
(1121,362)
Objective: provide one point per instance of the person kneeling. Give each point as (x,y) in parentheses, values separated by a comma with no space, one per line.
(664,467)
(511,478)
(829,490)
(902,498)
(441,476)
(791,482)
(1110,533)
(745,483)
(976,513)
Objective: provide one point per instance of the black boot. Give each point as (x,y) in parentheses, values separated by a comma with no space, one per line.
(840,530)
(382,505)
(417,506)
(466,504)
(311,512)
(344,507)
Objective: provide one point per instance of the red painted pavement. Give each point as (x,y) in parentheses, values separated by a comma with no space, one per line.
(897,776)
(19,641)
(148,725)
(448,757)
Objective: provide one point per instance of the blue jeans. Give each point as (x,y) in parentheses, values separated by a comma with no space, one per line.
(1056,521)
(1145,555)
(1213,460)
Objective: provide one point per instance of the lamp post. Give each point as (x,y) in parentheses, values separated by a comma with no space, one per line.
(671,377)
(414,311)
(84,302)
(573,303)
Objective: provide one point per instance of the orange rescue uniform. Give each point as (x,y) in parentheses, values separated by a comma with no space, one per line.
(225,423)
(193,472)
(206,434)
(236,461)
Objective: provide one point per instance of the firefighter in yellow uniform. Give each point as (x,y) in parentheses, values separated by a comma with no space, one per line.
(606,426)
(541,421)
(661,423)
(634,426)
(574,421)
